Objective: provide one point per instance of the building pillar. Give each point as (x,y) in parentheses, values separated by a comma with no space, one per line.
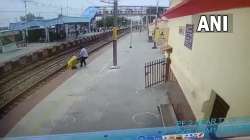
(147,21)
(89,27)
(23,35)
(66,27)
(47,34)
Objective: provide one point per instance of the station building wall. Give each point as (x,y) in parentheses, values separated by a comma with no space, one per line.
(218,62)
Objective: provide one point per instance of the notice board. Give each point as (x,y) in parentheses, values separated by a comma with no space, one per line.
(189,36)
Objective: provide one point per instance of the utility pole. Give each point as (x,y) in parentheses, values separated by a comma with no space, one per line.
(115,12)
(67,7)
(131,31)
(104,19)
(141,23)
(156,20)
(61,11)
(147,22)
(115,36)
(26,22)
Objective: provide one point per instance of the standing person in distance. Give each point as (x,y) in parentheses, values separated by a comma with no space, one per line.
(83,56)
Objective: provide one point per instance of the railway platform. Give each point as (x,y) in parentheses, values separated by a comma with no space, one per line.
(31,47)
(97,98)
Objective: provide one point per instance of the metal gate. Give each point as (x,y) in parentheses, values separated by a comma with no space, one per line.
(156,72)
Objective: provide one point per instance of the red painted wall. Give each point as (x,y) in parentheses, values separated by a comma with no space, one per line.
(190,7)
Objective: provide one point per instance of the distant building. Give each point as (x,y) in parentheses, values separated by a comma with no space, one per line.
(147,13)
(51,29)
(130,10)
(3,28)
(9,40)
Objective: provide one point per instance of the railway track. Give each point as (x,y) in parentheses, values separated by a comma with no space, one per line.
(19,82)
(14,74)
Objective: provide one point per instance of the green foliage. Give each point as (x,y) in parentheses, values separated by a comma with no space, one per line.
(6,40)
(109,21)
(59,15)
(29,17)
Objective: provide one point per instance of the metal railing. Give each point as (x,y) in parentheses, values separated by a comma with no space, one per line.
(156,72)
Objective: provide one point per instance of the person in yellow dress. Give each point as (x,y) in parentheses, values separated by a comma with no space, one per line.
(157,35)
(71,64)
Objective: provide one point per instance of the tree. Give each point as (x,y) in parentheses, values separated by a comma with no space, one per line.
(109,21)
(59,15)
(30,17)
(100,23)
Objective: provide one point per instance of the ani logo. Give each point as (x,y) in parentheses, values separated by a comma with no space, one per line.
(213,23)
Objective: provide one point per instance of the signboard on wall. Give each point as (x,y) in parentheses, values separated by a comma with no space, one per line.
(189,36)
(162,36)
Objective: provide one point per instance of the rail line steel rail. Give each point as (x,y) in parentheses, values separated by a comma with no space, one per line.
(17,83)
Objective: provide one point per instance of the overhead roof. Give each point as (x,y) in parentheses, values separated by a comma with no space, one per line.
(46,23)
(189,7)
(7,33)
(90,12)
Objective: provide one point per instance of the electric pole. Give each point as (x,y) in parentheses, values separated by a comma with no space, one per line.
(156,20)
(115,36)
(131,31)
(104,19)
(61,11)
(115,27)
(26,22)
(67,3)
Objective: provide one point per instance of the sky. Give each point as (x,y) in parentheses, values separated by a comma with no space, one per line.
(11,10)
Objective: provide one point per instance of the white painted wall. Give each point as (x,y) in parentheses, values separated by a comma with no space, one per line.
(174,2)
(218,61)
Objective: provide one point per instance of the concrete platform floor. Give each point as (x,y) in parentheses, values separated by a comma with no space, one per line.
(97,98)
